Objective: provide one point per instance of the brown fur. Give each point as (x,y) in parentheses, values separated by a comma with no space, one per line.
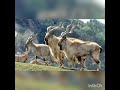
(39,50)
(52,41)
(80,50)
(35,62)
(55,49)
(22,57)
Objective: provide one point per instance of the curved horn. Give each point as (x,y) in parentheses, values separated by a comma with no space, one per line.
(68,28)
(32,34)
(73,28)
(60,25)
(63,25)
(56,28)
(68,32)
(52,30)
(64,33)
(52,27)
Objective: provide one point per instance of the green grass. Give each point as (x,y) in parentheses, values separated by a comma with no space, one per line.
(33,67)
(31,84)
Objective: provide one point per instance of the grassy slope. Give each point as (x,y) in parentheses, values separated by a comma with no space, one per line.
(33,67)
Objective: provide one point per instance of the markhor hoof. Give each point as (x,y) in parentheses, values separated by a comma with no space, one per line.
(98,69)
(83,69)
(61,66)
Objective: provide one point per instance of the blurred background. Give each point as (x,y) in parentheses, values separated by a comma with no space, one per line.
(42,9)
(59,80)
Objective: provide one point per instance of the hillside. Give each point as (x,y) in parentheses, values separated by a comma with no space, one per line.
(33,67)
